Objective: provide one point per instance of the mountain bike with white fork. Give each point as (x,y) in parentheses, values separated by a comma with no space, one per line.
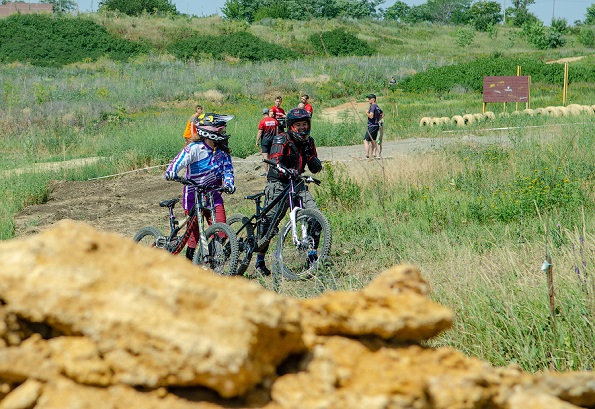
(304,241)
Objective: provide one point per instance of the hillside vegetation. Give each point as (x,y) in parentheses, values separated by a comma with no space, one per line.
(477,220)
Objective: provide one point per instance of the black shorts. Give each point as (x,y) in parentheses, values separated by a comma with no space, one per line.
(372,133)
(266,142)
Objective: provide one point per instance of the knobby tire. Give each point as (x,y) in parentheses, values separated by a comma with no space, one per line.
(222,252)
(292,261)
(147,233)
(245,240)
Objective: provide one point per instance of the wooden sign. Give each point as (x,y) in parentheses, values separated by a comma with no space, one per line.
(506,89)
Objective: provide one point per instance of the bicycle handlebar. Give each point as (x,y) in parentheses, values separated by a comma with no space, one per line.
(190,182)
(292,173)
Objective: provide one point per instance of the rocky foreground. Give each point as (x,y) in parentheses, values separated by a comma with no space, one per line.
(89,319)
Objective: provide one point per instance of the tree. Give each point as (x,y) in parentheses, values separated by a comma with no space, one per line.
(590,16)
(250,10)
(62,5)
(397,11)
(278,10)
(137,7)
(519,13)
(484,14)
(440,11)
(241,9)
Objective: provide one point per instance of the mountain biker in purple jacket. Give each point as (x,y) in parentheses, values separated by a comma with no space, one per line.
(208,162)
(294,149)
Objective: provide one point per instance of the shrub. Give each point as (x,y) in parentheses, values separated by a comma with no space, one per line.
(586,36)
(45,40)
(338,42)
(243,45)
(541,37)
(470,75)
(464,36)
(338,190)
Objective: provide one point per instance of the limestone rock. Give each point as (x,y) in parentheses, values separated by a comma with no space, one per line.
(155,319)
(63,393)
(23,397)
(91,320)
(392,307)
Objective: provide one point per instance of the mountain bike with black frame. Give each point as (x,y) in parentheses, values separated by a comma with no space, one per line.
(307,231)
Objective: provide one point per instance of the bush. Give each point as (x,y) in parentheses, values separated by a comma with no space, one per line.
(470,75)
(243,45)
(338,42)
(586,36)
(339,191)
(49,41)
(541,37)
(464,36)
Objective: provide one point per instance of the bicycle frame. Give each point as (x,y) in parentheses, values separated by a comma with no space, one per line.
(261,212)
(200,197)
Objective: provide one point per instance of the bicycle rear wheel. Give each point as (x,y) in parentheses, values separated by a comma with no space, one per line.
(245,239)
(221,254)
(149,237)
(296,261)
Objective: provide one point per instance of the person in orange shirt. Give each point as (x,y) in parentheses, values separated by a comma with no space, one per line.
(190,134)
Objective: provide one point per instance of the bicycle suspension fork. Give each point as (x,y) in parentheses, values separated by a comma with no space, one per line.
(293,216)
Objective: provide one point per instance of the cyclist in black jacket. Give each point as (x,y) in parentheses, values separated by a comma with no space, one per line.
(294,149)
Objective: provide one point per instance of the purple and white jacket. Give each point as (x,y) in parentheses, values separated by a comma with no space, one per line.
(209,167)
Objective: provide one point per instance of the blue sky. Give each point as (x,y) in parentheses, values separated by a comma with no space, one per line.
(571,10)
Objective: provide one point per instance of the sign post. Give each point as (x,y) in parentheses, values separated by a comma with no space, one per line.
(506,89)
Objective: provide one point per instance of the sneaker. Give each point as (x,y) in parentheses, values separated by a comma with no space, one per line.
(262,269)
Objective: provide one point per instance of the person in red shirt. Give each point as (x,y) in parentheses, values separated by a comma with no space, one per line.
(267,129)
(279,113)
(304,99)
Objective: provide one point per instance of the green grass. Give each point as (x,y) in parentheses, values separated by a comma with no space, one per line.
(487,269)
(475,220)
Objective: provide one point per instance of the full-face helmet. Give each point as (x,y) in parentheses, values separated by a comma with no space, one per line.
(297,115)
(212,126)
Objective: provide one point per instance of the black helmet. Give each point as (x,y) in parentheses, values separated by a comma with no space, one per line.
(212,126)
(296,115)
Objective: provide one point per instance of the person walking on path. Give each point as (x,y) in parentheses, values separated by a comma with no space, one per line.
(190,131)
(374,114)
(305,98)
(268,127)
(279,113)
(294,149)
(208,162)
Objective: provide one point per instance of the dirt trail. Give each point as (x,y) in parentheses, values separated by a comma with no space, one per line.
(125,203)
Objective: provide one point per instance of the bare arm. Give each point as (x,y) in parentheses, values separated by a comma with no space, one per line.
(258,136)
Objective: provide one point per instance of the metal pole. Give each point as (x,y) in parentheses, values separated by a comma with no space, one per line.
(565,86)
(504,20)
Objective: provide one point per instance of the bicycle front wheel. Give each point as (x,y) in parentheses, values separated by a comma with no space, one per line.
(149,237)
(221,254)
(301,256)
